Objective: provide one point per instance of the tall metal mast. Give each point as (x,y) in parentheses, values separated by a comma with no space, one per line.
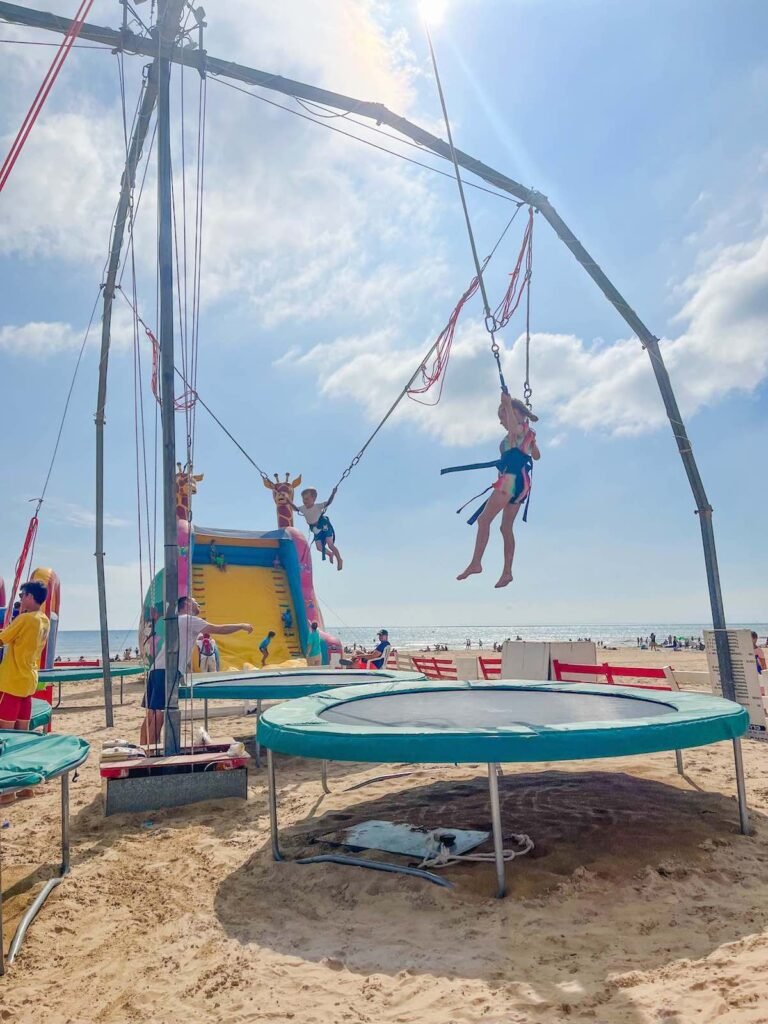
(170,15)
(170,11)
(379,114)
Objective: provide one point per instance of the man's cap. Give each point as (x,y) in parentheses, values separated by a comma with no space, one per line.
(383,632)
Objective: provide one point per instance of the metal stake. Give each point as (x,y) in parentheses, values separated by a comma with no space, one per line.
(741,789)
(679,762)
(324,776)
(272,795)
(498,838)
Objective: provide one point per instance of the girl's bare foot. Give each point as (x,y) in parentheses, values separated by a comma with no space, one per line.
(471,570)
(504,580)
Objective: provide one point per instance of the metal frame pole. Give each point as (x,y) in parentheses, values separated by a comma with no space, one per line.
(324,776)
(378,113)
(274,833)
(33,910)
(741,788)
(168,27)
(498,836)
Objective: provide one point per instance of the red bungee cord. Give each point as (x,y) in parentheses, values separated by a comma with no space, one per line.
(42,93)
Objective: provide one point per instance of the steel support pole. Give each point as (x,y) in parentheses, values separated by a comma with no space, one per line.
(498,835)
(679,762)
(274,833)
(741,788)
(135,149)
(324,776)
(170,11)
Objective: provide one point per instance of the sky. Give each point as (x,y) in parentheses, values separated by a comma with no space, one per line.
(329,267)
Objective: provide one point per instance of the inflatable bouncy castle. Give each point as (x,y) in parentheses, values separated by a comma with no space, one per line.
(51,609)
(243,576)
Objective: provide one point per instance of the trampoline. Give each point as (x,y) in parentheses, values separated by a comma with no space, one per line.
(494,723)
(27,759)
(72,674)
(282,684)
(41,714)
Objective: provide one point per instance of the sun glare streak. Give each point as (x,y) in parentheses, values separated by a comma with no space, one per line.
(432,11)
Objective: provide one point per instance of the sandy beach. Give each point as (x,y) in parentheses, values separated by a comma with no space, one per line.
(641,902)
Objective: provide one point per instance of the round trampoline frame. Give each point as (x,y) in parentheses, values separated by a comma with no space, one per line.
(309,727)
(277,684)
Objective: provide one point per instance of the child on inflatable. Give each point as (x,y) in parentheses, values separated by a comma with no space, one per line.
(322,530)
(511,489)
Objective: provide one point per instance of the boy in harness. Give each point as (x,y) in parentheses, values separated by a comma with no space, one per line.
(518,452)
(320,525)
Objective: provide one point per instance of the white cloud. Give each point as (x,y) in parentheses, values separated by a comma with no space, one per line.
(600,387)
(41,339)
(78,515)
(299,223)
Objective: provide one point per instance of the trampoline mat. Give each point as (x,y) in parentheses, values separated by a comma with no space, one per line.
(487,708)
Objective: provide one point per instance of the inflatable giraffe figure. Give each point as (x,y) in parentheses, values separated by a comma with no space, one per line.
(282,492)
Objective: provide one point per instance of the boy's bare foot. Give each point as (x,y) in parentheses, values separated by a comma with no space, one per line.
(504,580)
(5,800)
(339,563)
(26,794)
(471,570)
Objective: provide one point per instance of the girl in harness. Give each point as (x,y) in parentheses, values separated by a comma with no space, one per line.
(318,522)
(510,491)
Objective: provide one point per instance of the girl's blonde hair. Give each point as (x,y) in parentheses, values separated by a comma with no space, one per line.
(522,409)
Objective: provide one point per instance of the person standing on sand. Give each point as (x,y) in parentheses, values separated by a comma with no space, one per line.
(759,655)
(23,642)
(190,628)
(314,648)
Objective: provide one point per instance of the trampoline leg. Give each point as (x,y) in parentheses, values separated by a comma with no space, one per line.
(324,776)
(64,824)
(741,789)
(272,796)
(498,838)
(205,715)
(2,945)
(50,885)
(679,762)
(256,741)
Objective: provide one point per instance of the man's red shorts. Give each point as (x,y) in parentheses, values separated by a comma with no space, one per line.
(15,709)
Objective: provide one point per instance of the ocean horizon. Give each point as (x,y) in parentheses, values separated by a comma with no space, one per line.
(74,643)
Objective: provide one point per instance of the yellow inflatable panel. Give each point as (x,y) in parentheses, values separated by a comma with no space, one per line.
(247,593)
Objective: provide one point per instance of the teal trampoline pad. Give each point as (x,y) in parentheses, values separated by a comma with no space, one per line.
(497,722)
(27,758)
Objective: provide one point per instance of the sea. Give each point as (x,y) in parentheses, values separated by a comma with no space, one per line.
(85,642)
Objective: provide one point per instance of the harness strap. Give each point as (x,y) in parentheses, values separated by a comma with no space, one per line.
(474,465)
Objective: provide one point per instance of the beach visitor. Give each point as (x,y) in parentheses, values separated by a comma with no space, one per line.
(264,647)
(320,525)
(287,619)
(511,489)
(759,655)
(191,625)
(314,649)
(206,647)
(377,658)
(23,642)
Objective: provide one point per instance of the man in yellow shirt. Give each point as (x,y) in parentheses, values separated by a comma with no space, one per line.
(23,642)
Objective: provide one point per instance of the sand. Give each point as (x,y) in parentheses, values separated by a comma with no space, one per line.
(641,904)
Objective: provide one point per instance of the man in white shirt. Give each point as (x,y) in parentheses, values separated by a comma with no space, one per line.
(190,628)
